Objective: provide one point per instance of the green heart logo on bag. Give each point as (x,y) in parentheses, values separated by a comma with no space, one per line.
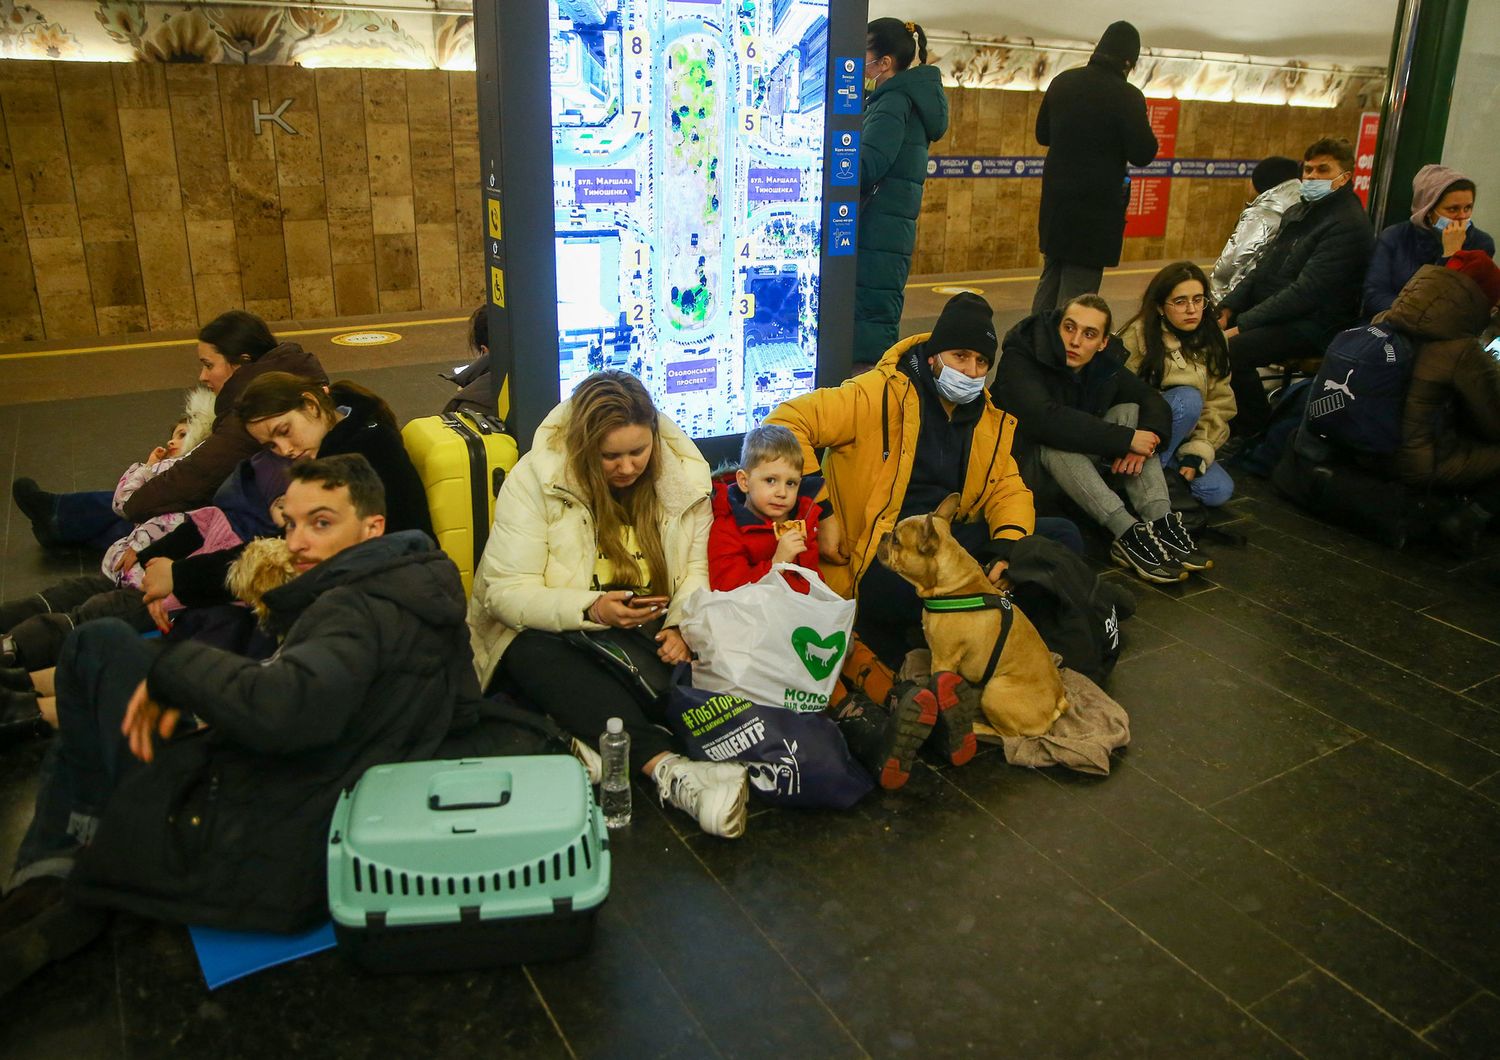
(820,655)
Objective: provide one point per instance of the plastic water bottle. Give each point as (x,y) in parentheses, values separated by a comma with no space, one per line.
(614,774)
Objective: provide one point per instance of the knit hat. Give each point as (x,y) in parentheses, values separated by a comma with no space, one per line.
(1273,172)
(1479,267)
(1427,189)
(966,323)
(1120,41)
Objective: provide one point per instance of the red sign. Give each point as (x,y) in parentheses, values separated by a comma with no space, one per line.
(1364,154)
(1146,215)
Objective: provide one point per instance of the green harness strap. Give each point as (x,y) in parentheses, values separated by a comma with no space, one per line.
(978,602)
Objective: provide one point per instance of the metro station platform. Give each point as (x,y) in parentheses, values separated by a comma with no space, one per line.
(1295,855)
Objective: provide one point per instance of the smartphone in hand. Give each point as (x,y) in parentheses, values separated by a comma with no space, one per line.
(656,603)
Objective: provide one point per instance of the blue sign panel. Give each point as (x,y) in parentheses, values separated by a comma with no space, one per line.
(985,166)
(845,172)
(848,87)
(842,217)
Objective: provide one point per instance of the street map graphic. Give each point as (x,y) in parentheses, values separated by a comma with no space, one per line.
(687,175)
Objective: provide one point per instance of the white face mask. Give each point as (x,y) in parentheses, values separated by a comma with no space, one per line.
(957,387)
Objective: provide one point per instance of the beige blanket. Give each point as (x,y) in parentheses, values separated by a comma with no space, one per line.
(1081,739)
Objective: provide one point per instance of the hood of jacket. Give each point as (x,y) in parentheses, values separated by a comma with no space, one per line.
(198,410)
(1279,199)
(288,357)
(923,85)
(685,477)
(1436,304)
(404,568)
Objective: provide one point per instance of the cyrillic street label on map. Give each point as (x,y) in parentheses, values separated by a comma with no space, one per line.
(604,185)
(692,375)
(845,160)
(775,185)
(841,219)
(847,94)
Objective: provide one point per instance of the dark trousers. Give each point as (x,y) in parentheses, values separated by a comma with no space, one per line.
(1250,350)
(89,519)
(99,669)
(39,639)
(581,692)
(1060,281)
(889,619)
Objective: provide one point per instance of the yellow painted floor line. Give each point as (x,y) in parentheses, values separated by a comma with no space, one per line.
(77,350)
(1028,278)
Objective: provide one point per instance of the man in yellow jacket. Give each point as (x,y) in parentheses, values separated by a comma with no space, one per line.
(900,439)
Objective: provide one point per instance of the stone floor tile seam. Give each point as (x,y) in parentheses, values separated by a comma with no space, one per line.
(1207,808)
(1445,1017)
(551,1016)
(1316,967)
(114,949)
(1104,901)
(1166,856)
(1458,629)
(1355,648)
(770,942)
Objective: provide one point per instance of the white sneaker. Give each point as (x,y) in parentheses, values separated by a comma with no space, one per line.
(592,763)
(713,792)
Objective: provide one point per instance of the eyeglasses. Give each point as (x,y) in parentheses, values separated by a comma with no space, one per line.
(1197,301)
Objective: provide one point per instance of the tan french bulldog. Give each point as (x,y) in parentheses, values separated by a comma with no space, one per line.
(1024,695)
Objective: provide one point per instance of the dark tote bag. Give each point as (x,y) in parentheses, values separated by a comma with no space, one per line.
(794,759)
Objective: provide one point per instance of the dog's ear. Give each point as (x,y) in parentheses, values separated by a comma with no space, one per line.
(927,544)
(948,509)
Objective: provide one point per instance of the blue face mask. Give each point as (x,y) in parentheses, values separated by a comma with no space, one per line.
(957,387)
(1313,190)
(1442,223)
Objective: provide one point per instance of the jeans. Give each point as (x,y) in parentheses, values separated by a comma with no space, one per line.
(1061,281)
(1251,350)
(101,665)
(89,519)
(1081,477)
(1214,486)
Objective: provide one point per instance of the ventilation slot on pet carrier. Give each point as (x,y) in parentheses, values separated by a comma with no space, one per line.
(572,861)
(421,886)
(466,885)
(497,881)
(390,882)
(525,875)
(588,855)
(374,880)
(404,888)
(358,885)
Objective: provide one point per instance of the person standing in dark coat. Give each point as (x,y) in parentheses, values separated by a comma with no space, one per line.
(904,112)
(1305,286)
(227,825)
(1093,123)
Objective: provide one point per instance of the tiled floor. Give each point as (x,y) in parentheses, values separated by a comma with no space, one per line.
(1296,855)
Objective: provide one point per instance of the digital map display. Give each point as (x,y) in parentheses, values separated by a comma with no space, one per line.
(687,140)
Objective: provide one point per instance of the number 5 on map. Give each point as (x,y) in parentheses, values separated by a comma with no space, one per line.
(750,122)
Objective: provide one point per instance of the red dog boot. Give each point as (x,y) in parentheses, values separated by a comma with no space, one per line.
(958,708)
(913,712)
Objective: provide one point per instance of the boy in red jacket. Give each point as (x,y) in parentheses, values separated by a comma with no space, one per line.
(766,516)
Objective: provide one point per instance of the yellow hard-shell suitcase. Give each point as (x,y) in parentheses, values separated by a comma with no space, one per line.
(462,458)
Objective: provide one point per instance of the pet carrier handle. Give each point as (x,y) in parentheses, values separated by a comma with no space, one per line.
(469,789)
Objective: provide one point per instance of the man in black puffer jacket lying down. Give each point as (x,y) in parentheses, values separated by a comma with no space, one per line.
(225,825)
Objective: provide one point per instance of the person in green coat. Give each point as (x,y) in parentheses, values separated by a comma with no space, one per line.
(905,110)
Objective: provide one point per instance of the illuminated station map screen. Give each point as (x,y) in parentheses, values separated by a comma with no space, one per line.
(687,183)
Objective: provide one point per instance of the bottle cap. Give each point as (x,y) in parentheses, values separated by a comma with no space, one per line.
(614,726)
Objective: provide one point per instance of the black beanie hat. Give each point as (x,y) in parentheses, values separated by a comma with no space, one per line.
(1276,170)
(967,323)
(1120,41)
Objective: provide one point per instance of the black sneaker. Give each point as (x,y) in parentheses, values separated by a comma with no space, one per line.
(1138,551)
(39,925)
(40,507)
(1178,543)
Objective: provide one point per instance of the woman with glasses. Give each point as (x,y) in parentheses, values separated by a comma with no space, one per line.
(1175,344)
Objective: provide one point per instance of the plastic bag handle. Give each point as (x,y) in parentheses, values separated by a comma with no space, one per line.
(815,583)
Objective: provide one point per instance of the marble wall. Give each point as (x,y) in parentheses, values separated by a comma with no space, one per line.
(139,196)
(971,225)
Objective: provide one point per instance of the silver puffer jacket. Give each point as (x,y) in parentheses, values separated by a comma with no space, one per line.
(1256,228)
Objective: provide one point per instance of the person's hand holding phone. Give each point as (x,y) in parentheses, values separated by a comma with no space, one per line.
(625,610)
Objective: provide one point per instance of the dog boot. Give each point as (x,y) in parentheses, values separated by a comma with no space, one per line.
(912,713)
(958,708)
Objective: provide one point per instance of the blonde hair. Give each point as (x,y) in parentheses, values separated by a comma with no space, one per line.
(604,402)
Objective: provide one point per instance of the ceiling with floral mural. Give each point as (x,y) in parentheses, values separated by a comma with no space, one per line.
(123,31)
(400,33)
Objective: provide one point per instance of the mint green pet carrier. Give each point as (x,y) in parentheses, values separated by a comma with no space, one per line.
(467,863)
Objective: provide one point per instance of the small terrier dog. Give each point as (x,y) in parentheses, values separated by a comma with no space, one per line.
(265,564)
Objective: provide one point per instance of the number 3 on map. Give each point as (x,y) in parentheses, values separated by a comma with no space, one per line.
(745,305)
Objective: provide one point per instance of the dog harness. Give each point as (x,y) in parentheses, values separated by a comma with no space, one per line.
(978,602)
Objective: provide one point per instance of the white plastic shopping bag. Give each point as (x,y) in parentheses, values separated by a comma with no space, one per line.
(769,643)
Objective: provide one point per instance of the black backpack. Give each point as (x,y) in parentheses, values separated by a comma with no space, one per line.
(1357,395)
